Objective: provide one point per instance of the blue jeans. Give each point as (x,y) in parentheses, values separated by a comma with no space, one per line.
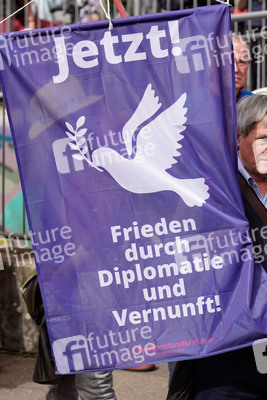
(171,366)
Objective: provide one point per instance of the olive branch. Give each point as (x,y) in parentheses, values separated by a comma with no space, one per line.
(78,141)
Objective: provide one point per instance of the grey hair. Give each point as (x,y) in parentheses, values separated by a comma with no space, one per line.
(250,110)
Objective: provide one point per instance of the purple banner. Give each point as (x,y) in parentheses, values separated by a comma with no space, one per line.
(126,146)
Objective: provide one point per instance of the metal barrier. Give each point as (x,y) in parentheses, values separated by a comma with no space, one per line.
(250,25)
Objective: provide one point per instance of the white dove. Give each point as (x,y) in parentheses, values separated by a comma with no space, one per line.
(147,173)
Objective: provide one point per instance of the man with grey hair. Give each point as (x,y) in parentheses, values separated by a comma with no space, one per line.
(234,375)
(252,143)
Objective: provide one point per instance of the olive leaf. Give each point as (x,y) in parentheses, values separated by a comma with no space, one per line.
(73,146)
(78,142)
(81,132)
(80,122)
(84,150)
(78,156)
(81,142)
(70,128)
(70,135)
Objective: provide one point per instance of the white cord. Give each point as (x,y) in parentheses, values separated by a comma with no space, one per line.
(21,8)
(227,2)
(107,13)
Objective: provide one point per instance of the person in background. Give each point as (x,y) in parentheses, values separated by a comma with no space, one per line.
(241,62)
(97,385)
(47,13)
(89,386)
(234,375)
(89,10)
(255,26)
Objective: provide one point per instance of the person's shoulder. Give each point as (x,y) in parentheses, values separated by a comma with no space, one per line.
(243,93)
(246,93)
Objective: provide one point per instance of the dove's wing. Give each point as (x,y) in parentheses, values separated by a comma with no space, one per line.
(163,135)
(147,107)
